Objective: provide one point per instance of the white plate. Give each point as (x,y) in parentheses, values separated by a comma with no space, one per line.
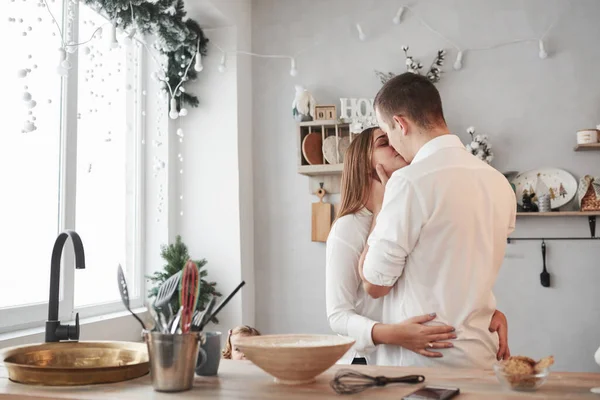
(553,178)
(329,148)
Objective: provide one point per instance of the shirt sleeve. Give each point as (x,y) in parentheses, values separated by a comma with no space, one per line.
(396,233)
(342,283)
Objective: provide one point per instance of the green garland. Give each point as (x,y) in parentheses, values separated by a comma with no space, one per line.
(175,37)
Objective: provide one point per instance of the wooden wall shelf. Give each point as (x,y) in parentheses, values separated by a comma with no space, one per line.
(324,175)
(560,214)
(322,169)
(323,122)
(590,214)
(587,147)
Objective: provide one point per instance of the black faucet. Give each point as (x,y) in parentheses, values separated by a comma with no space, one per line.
(55,332)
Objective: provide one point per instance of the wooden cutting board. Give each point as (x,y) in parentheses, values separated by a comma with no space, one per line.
(321,218)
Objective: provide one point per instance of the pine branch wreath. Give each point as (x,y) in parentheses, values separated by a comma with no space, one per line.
(176,35)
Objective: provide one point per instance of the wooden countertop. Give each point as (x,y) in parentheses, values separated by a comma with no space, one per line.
(240,380)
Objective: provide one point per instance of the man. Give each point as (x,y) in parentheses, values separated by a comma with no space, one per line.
(440,237)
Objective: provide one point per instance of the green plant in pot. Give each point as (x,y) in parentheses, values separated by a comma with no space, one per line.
(176,255)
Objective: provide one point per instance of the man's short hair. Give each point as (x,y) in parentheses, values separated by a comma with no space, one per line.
(413,96)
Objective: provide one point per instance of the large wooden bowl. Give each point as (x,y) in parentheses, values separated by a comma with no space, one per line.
(294,359)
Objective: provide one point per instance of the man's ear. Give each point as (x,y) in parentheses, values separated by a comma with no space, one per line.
(401,123)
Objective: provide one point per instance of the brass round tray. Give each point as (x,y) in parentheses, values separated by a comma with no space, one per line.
(76,363)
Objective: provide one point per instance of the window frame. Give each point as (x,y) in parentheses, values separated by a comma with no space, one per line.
(34,315)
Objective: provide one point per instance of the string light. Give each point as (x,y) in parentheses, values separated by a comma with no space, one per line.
(398,17)
(542,54)
(198,67)
(361,33)
(173,114)
(222,65)
(112,37)
(293,70)
(458,62)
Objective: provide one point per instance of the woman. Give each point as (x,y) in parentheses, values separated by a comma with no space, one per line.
(350,310)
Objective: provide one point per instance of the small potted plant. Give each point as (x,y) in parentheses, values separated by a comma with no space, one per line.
(176,255)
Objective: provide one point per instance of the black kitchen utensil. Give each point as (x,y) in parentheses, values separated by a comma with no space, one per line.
(544,276)
(220,306)
(200,316)
(125,295)
(348,381)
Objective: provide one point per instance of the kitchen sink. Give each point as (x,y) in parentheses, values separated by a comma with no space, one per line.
(76,363)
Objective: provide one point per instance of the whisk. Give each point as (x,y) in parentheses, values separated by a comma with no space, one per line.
(347,381)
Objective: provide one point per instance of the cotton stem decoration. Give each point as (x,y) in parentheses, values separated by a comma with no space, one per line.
(434,73)
(480,146)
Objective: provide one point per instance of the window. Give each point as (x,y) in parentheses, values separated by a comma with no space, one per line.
(70,158)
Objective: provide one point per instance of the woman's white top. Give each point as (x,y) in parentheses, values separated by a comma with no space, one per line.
(350,311)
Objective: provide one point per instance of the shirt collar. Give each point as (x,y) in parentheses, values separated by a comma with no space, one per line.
(437,144)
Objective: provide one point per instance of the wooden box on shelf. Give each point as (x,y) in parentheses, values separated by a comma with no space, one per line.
(321,146)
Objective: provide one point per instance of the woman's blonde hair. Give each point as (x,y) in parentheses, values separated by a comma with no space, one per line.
(243,330)
(357,173)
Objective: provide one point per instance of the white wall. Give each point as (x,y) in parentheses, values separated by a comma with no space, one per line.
(530,108)
(216,183)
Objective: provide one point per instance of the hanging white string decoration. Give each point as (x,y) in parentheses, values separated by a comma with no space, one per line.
(398,17)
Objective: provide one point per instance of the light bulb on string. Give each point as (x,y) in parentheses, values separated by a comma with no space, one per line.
(198,65)
(361,33)
(458,62)
(542,54)
(173,114)
(293,70)
(398,17)
(222,66)
(112,37)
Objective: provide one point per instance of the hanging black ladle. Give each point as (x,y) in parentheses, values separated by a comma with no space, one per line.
(544,276)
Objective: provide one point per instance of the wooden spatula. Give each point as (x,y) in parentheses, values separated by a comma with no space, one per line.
(321,218)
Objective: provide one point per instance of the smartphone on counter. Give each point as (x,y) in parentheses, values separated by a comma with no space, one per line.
(433,393)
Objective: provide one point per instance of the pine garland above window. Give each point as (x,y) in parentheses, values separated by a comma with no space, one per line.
(177,37)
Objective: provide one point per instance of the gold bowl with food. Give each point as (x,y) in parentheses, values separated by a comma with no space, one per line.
(523,373)
(294,359)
